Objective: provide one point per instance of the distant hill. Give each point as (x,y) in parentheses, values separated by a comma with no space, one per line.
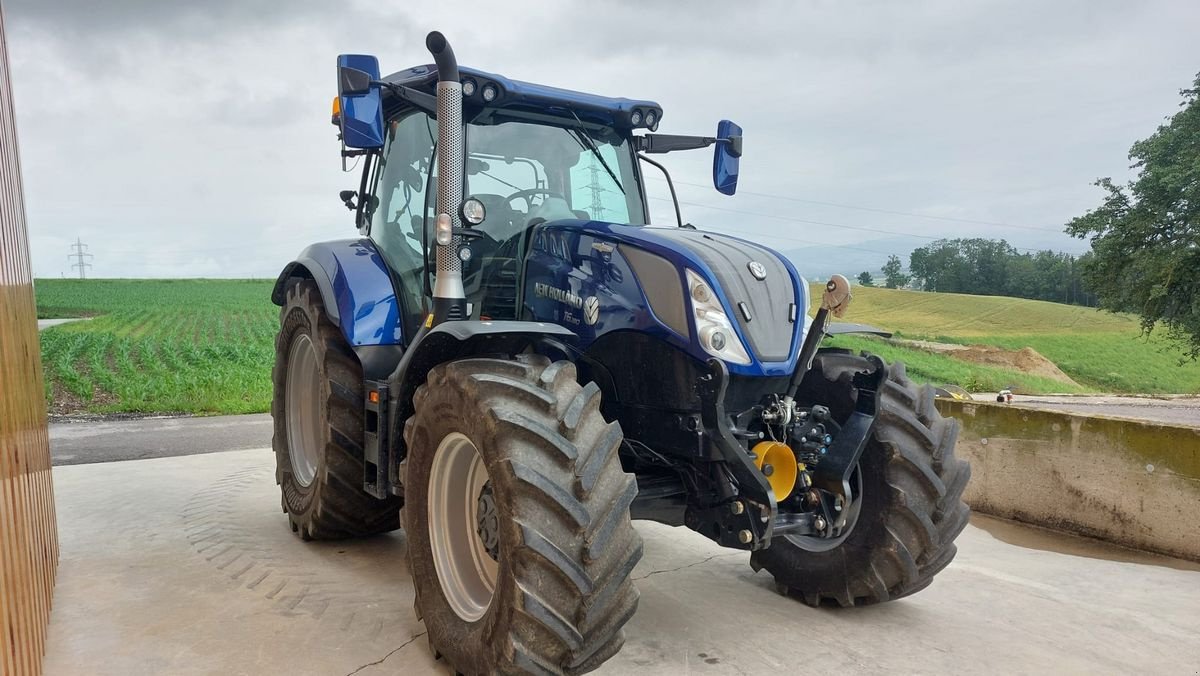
(822,260)
(1099,350)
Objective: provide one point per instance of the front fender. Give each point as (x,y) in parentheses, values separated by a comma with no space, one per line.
(355,286)
(446,342)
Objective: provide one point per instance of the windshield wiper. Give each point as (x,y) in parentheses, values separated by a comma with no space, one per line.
(585,141)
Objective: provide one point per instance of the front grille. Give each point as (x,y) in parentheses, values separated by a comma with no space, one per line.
(766,320)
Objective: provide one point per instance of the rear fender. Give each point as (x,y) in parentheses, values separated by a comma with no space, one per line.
(356,289)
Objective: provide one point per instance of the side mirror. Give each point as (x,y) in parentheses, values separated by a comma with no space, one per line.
(361,116)
(353,82)
(726,157)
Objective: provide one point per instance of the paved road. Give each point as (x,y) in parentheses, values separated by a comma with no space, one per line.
(83,442)
(187,566)
(1174,411)
(44,324)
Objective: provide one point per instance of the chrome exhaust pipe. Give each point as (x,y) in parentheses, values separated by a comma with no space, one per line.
(449,299)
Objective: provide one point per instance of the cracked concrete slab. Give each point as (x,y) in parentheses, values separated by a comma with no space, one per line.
(186,566)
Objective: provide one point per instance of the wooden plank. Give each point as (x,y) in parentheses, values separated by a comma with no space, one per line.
(28,536)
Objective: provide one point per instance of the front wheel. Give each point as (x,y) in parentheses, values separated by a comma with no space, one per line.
(909,508)
(517,514)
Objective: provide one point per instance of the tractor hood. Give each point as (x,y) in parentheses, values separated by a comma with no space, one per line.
(762,294)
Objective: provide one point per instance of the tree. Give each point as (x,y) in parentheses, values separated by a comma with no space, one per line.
(893,273)
(941,266)
(866,279)
(1146,234)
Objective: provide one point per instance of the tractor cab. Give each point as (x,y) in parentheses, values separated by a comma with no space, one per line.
(533,155)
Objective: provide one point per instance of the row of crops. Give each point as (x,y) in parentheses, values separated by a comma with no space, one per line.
(154,346)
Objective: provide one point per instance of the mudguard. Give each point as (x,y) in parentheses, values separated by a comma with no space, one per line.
(355,286)
(842,328)
(460,339)
(430,347)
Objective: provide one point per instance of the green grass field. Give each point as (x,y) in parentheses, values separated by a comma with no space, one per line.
(1101,351)
(153,346)
(206,346)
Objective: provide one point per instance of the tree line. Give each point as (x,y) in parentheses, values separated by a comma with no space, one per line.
(990,267)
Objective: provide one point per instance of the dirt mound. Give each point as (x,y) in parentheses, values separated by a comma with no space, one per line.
(1025,360)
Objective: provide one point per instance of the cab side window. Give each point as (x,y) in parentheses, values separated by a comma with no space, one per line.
(592,190)
(397,208)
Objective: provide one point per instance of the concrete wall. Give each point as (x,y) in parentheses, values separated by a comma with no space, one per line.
(28,540)
(1133,483)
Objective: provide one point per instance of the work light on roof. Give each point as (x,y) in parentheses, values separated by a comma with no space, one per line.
(489,93)
(468,87)
(635,118)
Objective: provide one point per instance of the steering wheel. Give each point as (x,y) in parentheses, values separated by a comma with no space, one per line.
(529,193)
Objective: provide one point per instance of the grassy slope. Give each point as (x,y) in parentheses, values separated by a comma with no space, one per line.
(1100,350)
(196,346)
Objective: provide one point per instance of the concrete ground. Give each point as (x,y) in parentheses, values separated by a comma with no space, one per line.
(186,566)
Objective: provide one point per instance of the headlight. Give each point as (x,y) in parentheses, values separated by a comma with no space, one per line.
(713,327)
(807,304)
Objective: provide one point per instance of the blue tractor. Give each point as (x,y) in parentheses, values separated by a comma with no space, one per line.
(512,365)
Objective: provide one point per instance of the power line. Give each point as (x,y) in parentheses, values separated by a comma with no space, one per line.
(876,210)
(80,253)
(821,223)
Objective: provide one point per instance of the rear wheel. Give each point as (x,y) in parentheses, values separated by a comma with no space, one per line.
(318,438)
(910,506)
(517,515)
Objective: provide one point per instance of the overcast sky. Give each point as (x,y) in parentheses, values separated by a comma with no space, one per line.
(193,139)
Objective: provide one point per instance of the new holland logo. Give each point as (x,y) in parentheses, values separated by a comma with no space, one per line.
(563,296)
(758,270)
(591,310)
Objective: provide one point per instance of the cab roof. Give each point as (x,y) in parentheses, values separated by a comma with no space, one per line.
(619,113)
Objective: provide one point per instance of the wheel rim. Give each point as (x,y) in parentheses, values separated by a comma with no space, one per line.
(853,509)
(461,517)
(303,409)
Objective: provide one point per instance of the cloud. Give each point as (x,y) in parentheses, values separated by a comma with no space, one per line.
(193,138)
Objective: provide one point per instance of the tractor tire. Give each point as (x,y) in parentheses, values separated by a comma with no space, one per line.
(911,493)
(318,414)
(516,511)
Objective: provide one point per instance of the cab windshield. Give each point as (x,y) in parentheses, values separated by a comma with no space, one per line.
(524,171)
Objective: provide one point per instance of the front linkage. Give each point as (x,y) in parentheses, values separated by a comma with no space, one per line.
(747,514)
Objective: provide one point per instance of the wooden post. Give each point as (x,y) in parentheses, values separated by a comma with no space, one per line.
(28,536)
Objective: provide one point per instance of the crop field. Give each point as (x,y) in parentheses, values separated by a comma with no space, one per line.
(206,346)
(154,346)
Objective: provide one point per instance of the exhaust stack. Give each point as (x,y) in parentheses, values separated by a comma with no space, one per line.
(449,299)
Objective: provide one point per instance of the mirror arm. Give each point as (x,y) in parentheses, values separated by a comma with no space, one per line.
(657,144)
(425,102)
(670,184)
